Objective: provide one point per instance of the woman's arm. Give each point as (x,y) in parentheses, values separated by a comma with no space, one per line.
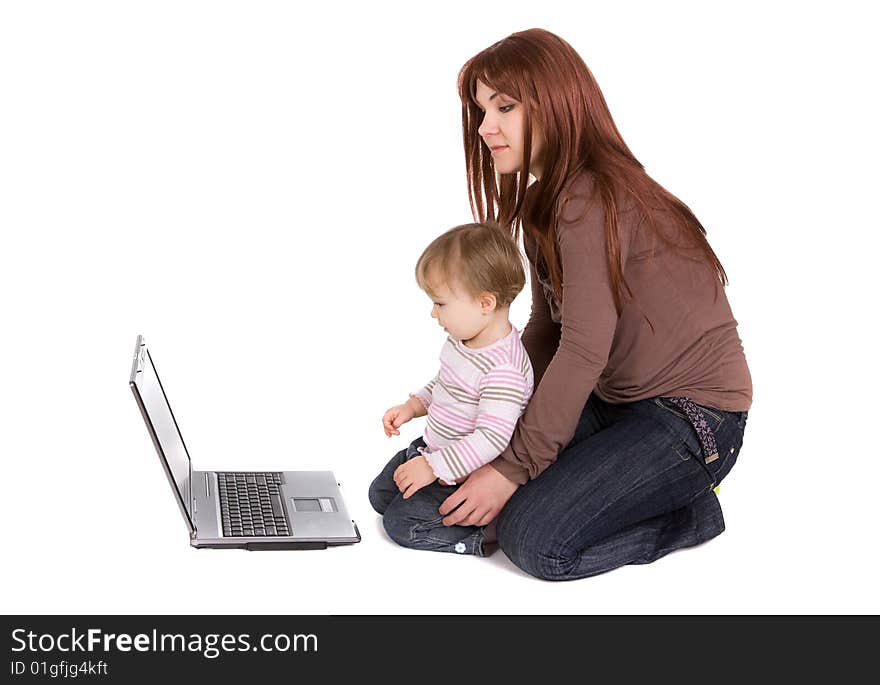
(589,319)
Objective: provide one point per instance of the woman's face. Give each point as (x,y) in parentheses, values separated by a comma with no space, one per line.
(502,132)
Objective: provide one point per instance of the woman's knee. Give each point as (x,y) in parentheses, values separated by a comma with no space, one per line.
(532,549)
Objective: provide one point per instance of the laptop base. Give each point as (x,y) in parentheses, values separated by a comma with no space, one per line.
(280,544)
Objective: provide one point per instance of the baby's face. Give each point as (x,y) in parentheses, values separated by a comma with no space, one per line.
(460,314)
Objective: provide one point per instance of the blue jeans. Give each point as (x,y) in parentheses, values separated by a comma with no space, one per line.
(629,488)
(416,522)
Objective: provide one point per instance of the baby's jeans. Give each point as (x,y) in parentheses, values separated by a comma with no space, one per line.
(416,522)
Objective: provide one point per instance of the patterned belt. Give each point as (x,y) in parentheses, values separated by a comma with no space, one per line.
(698,421)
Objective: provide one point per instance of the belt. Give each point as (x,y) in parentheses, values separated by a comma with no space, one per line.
(698,421)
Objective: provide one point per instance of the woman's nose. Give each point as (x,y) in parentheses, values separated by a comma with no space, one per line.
(488,126)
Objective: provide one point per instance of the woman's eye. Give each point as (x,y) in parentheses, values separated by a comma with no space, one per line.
(506,108)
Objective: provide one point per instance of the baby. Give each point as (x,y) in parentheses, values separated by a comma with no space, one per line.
(472,273)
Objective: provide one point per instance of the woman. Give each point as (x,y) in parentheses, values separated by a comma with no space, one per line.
(641,383)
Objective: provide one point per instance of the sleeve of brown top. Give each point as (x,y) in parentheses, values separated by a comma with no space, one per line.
(589,319)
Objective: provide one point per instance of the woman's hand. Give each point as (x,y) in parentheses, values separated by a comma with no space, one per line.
(395,417)
(482,496)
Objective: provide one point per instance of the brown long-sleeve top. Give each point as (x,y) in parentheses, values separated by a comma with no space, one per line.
(675,337)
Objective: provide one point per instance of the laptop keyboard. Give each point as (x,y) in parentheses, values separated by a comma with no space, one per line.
(250,505)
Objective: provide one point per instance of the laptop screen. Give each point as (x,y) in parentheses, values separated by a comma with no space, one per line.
(162,426)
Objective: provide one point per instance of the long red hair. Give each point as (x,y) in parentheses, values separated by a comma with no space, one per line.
(554,85)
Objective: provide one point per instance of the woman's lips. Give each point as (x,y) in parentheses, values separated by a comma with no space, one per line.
(501,148)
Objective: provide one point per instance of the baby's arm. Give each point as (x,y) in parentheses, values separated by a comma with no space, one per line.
(416,406)
(424,396)
(504,391)
(413,408)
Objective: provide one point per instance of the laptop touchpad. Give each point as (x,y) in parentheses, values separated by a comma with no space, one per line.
(324,504)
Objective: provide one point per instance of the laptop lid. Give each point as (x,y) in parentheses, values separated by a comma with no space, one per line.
(163,429)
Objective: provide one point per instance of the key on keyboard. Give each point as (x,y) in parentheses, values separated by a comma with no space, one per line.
(250,505)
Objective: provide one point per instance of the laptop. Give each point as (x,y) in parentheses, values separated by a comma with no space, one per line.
(253,510)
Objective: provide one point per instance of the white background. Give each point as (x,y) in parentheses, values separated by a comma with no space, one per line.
(249,185)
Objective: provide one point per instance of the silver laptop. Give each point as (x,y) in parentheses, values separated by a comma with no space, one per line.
(242,509)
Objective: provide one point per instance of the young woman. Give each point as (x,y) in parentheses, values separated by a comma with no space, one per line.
(641,382)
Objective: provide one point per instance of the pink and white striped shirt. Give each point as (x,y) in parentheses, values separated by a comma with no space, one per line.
(473,404)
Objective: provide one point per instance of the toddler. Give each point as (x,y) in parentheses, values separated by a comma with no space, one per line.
(472,273)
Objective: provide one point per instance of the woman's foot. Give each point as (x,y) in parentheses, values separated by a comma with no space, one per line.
(490,531)
(490,538)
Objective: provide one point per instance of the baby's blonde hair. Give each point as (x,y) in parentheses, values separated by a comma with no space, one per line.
(479,258)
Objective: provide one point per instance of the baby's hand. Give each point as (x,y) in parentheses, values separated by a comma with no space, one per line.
(413,476)
(394,418)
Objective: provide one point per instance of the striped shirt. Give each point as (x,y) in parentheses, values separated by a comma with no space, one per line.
(473,404)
